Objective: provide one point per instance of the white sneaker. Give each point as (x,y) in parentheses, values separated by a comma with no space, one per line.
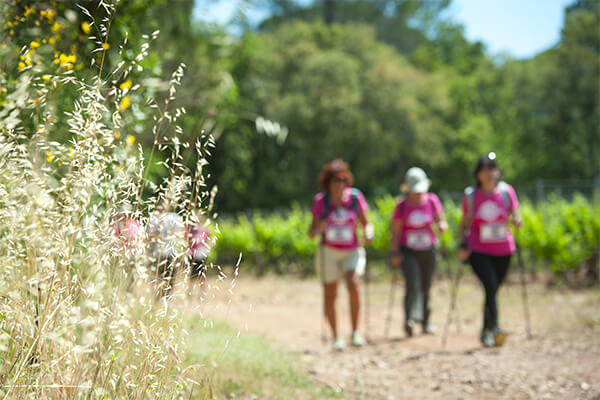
(338,344)
(358,340)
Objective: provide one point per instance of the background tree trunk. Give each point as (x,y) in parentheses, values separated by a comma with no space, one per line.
(328,11)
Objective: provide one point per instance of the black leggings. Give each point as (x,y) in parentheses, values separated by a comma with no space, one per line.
(491,271)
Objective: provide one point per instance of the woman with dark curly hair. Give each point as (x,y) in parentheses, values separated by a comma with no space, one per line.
(336,211)
(486,239)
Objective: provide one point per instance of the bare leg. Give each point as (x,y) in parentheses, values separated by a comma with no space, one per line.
(353,291)
(330,296)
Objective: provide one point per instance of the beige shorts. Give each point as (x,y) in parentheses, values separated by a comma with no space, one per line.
(336,262)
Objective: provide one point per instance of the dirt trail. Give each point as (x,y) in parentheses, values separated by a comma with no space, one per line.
(561,362)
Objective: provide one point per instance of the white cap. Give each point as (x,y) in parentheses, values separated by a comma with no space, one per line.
(416,181)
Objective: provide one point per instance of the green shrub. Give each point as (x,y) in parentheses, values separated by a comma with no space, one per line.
(559,234)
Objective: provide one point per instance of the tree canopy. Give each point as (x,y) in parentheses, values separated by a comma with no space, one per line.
(385,84)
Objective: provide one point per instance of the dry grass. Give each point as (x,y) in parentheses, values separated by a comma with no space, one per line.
(78,317)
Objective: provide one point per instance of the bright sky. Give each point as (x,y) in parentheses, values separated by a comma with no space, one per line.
(521,28)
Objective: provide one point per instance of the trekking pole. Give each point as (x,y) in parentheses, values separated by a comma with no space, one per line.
(323,315)
(367,302)
(456,312)
(388,319)
(524,291)
(453,295)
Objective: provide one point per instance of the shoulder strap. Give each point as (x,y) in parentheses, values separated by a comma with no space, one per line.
(325,204)
(470,193)
(354,195)
(432,205)
(503,187)
(401,207)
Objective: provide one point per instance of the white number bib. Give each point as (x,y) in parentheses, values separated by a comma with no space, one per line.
(339,234)
(418,240)
(493,232)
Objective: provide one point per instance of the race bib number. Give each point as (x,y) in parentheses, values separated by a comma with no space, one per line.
(418,240)
(339,234)
(493,232)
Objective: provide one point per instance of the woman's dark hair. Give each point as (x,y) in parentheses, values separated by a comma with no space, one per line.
(485,162)
(338,168)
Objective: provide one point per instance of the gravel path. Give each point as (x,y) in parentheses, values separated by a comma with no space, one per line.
(562,361)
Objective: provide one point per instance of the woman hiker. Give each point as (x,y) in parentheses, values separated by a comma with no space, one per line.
(413,246)
(336,212)
(487,242)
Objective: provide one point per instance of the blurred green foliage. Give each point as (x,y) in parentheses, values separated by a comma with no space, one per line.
(559,235)
(383,84)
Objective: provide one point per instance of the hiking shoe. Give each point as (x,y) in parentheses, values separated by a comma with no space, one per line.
(499,337)
(338,344)
(409,327)
(487,338)
(358,340)
(429,329)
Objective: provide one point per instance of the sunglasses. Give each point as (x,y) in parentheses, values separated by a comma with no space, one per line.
(339,180)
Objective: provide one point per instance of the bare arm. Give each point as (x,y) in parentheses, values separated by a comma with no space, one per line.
(440,220)
(395,256)
(515,216)
(367,227)
(463,252)
(317,226)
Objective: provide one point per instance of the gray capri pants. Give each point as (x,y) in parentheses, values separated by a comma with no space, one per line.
(418,267)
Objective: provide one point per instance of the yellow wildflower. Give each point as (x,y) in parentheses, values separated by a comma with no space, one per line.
(117,135)
(52,40)
(10,24)
(86,27)
(34,44)
(26,55)
(66,61)
(125,103)
(56,27)
(46,77)
(105,46)
(49,156)
(29,10)
(72,152)
(49,14)
(125,85)
(130,140)
(21,66)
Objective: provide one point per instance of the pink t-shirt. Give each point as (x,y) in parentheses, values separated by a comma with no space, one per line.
(198,241)
(489,232)
(417,220)
(341,221)
(128,231)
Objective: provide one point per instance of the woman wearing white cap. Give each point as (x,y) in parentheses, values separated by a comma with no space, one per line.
(413,245)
